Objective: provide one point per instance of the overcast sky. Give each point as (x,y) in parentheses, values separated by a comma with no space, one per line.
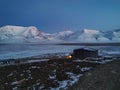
(58,15)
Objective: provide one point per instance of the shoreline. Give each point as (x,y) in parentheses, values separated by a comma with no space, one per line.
(70,43)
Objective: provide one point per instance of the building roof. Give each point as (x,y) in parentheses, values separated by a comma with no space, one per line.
(87,49)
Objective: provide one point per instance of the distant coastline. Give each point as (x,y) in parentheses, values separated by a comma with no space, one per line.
(67,43)
(91,44)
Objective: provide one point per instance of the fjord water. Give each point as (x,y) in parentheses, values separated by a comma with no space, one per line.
(11,51)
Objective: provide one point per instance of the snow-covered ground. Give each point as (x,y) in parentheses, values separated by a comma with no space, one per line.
(10,51)
(13,51)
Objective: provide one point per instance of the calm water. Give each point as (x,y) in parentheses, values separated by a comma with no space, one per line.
(25,50)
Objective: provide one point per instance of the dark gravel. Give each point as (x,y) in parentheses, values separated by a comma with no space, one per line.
(104,77)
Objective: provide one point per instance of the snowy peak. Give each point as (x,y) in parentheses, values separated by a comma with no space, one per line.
(18,30)
(63,35)
(116,35)
(32,34)
(87,31)
(15,33)
(92,36)
(84,36)
(14,30)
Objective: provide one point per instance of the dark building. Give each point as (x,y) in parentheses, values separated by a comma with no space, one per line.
(83,53)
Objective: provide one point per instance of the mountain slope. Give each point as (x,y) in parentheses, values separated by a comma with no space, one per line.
(85,35)
(23,34)
(18,34)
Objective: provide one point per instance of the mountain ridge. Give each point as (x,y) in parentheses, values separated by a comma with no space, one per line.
(20,34)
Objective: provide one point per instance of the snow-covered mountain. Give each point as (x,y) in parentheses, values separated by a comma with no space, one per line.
(90,36)
(18,34)
(64,35)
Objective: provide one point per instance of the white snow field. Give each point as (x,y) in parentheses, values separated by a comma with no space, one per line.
(13,51)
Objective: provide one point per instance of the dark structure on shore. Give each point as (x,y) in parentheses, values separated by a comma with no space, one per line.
(83,53)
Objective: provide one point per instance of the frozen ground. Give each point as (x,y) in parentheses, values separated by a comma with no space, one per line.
(45,74)
(61,73)
(54,74)
(12,51)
